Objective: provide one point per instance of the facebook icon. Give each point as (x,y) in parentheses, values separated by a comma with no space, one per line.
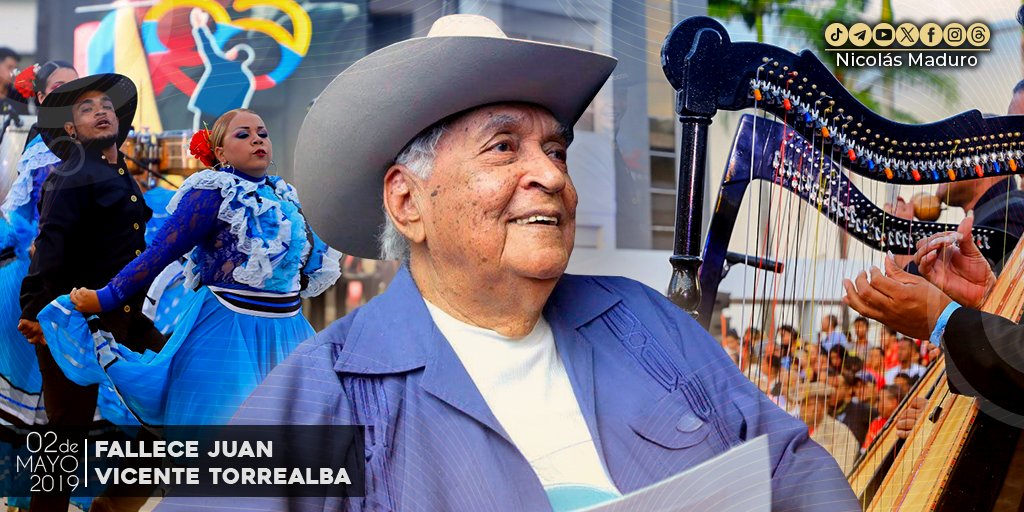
(931,34)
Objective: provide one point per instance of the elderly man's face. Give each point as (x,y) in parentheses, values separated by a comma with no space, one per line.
(500,198)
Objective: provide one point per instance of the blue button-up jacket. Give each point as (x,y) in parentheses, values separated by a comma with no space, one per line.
(657,392)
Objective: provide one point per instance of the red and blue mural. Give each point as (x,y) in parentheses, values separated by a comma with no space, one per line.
(161,44)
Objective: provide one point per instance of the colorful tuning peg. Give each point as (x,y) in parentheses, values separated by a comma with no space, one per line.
(757,95)
(915,174)
(979,170)
(888,173)
(952,175)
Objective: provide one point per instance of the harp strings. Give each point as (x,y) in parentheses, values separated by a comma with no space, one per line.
(791,238)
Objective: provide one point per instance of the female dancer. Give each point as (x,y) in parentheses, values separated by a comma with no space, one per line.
(20,381)
(21,399)
(251,258)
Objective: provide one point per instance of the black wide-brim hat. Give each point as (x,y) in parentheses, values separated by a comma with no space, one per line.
(56,109)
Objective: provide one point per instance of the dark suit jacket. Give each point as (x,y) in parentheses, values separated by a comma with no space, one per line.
(92,221)
(985,358)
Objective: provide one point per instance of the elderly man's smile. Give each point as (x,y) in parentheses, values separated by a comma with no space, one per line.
(537,220)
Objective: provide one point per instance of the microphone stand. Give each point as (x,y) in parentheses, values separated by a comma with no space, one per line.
(145,166)
(12,115)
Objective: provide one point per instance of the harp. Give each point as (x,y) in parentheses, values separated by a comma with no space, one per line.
(826,137)
(771,151)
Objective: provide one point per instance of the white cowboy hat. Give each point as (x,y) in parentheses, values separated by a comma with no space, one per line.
(364,118)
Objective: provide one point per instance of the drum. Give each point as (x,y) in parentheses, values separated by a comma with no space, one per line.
(129,148)
(13,143)
(174,155)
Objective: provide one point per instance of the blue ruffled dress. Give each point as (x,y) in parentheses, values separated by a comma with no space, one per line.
(165,299)
(20,381)
(251,259)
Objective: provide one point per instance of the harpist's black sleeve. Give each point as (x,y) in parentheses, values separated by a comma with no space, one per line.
(985,358)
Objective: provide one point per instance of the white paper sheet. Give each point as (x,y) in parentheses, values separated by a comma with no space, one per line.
(738,480)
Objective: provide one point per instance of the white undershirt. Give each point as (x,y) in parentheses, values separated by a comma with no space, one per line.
(525,385)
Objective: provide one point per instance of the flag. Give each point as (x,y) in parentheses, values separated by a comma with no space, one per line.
(115,47)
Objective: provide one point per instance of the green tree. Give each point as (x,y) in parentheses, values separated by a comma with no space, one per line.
(752,12)
(874,87)
(806,19)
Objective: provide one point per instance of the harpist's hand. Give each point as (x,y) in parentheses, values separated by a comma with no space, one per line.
(952,262)
(908,419)
(86,300)
(903,301)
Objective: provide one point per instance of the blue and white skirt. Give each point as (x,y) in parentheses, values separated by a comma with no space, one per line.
(21,401)
(217,355)
(166,299)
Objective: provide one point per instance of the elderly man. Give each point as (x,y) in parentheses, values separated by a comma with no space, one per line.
(487,378)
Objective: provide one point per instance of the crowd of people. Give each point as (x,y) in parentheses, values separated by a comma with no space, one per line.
(845,386)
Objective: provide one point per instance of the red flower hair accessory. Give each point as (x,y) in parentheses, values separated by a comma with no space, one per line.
(24,81)
(200,148)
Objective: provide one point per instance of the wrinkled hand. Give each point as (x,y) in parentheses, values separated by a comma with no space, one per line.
(908,419)
(903,301)
(902,210)
(31,331)
(953,262)
(86,300)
